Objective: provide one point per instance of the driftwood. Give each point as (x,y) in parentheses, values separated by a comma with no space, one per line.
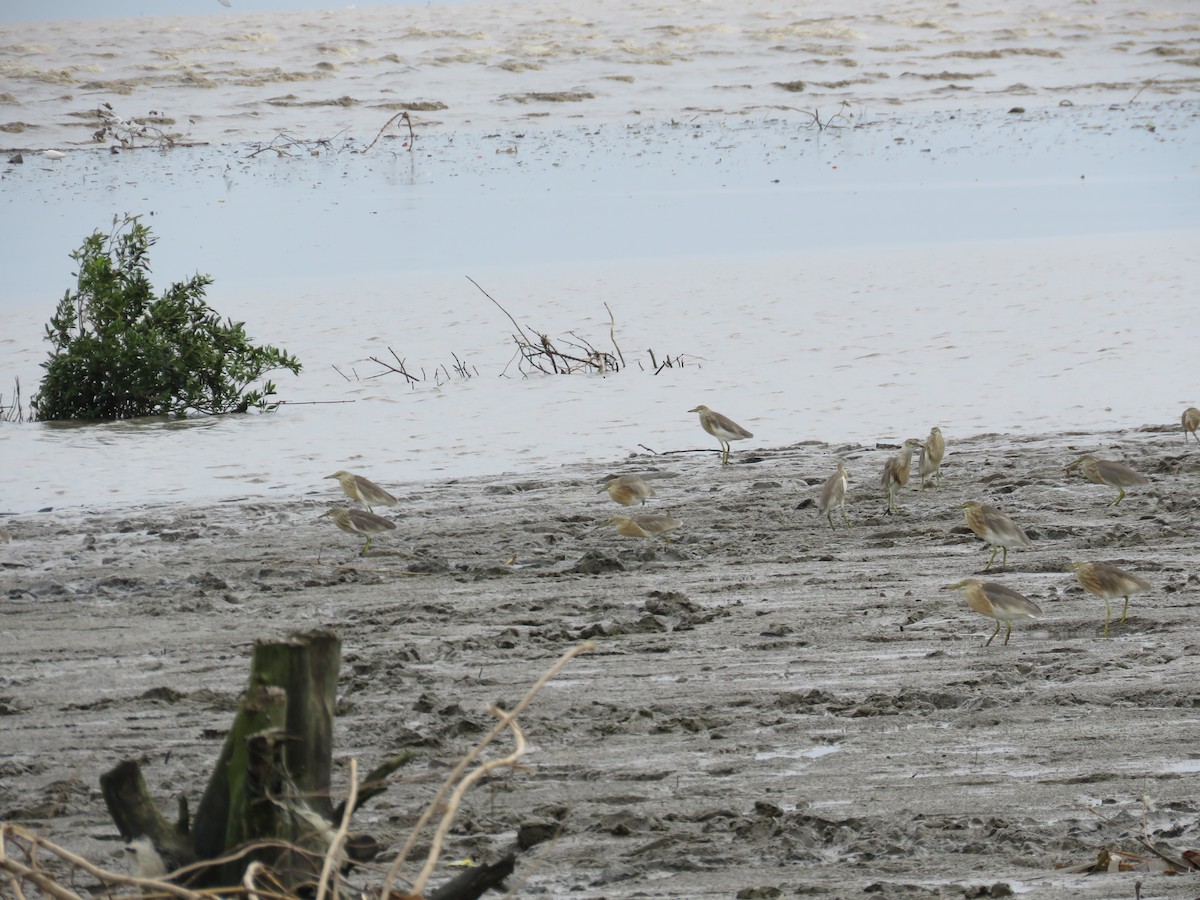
(537,352)
(269,789)
(266,825)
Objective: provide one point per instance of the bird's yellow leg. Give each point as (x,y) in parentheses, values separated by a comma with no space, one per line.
(992,558)
(1008,634)
(1120,497)
(366,546)
(1107,615)
(724,453)
(829,516)
(844,519)
(1125,612)
(994,633)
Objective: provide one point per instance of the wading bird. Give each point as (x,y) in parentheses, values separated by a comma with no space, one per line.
(1113,474)
(628,490)
(1191,421)
(997,529)
(722,428)
(833,495)
(359,521)
(929,463)
(895,472)
(365,491)
(1108,582)
(649,526)
(997,602)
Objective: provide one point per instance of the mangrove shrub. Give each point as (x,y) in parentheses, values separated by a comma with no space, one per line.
(119,351)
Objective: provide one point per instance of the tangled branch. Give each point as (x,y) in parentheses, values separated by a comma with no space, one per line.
(20,866)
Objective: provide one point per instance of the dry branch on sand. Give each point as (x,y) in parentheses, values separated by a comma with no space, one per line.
(318,862)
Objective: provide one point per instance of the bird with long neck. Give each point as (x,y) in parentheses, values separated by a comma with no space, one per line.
(997,602)
(929,463)
(833,494)
(998,530)
(896,471)
(722,428)
(1113,474)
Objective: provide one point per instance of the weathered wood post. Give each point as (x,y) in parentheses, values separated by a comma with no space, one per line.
(269,789)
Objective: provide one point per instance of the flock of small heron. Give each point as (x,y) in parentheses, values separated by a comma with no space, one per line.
(996,529)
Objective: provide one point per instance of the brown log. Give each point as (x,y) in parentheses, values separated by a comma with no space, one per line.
(135,815)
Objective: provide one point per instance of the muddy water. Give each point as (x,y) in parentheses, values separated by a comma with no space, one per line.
(239,76)
(849,287)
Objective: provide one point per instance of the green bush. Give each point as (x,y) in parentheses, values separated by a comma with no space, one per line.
(120,352)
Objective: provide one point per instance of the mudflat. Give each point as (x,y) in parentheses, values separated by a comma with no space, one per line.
(774,707)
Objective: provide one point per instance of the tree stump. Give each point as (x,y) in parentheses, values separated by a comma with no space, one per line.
(268,794)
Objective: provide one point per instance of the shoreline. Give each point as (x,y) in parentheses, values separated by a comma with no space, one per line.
(68,514)
(774,704)
(857,345)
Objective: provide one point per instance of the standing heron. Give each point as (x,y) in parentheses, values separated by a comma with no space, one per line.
(895,472)
(997,602)
(359,521)
(997,529)
(628,490)
(1191,421)
(722,428)
(1108,582)
(648,526)
(1114,474)
(833,494)
(929,463)
(365,491)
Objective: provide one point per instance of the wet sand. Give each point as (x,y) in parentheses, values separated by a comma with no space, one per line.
(774,708)
(241,76)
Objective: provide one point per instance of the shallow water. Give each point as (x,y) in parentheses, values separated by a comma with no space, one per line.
(245,76)
(863,297)
(975,269)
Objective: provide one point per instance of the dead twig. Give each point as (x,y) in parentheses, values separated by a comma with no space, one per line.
(441,372)
(516,324)
(13,412)
(283,143)
(1142,88)
(400,368)
(538,352)
(403,116)
(312,402)
(612,335)
(507,720)
(815,115)
(333,854)
(1144,839)
(35,874)
(128,132)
